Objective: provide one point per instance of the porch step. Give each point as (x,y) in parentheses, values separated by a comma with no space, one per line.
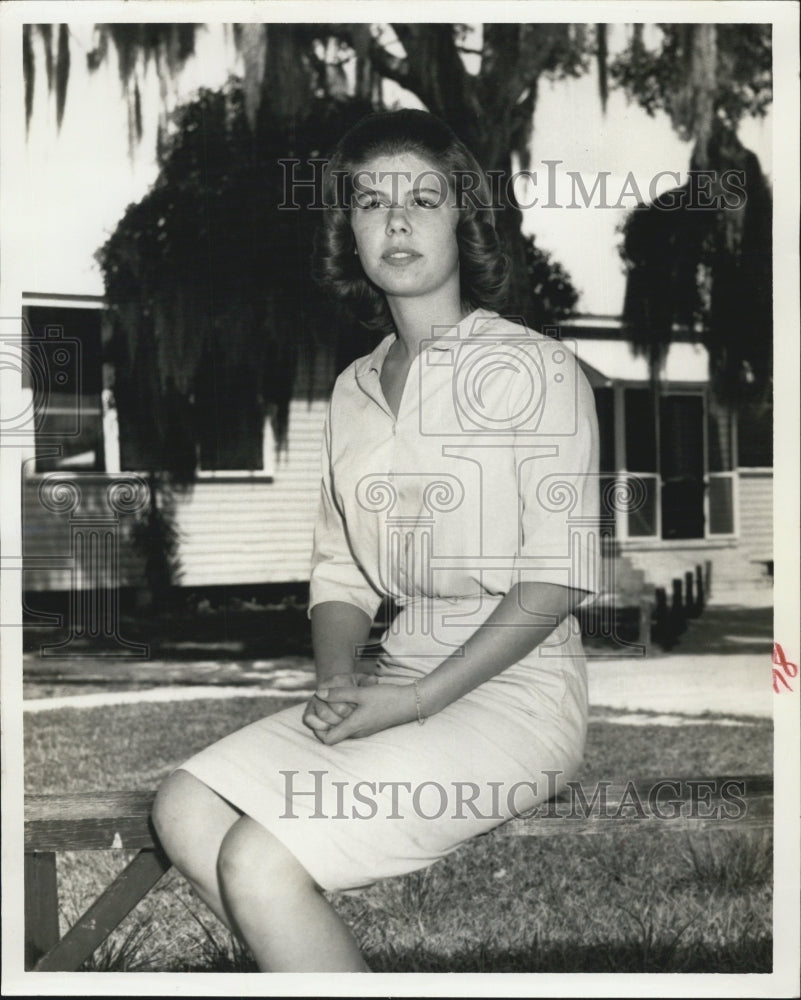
(625,580)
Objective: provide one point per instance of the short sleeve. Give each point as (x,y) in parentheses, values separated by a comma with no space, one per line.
(556,460)
(335,572)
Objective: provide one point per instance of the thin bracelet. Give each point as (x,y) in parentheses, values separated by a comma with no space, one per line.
(420,717)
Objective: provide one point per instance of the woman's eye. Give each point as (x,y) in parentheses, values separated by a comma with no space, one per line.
(366,202)
(425,201)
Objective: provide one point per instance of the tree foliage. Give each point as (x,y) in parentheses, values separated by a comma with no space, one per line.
(707,271)
(57,64)
(202,272)
(209,289)
(698,73)
(701,258)
(554,295)
(288,67)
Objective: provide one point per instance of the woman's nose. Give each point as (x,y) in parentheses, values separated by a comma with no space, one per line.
(398,220)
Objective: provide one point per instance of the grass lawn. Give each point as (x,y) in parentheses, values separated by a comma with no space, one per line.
(635,902)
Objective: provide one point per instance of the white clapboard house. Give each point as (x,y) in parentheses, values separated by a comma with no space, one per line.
(700,502)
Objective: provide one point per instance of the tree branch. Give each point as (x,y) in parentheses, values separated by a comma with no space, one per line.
(393,67)
(435,67)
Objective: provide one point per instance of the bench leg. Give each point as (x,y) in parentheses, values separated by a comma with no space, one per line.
(106,913)
(41,905)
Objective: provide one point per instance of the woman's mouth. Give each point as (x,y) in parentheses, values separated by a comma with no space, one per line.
(400,258)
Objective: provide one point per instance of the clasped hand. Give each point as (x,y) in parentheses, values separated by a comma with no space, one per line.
(350,706)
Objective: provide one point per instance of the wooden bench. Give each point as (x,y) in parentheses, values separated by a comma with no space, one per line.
(121,821)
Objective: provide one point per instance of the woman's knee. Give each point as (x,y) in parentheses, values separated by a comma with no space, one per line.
(189,818)
(254,862)
(169,811)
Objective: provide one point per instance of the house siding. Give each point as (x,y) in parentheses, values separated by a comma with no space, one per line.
(247,530)
(51,538)
(756,513)
(239,531)
(233,530)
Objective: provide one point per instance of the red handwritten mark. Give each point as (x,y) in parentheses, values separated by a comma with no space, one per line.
(790,669)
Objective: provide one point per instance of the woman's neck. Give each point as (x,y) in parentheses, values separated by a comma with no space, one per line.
(420,319)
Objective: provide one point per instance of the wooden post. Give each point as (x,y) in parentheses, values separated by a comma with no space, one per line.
(660,629)
(708,574)
(41,905)
(699,589)
(677,616)
(645,610)
(691,605)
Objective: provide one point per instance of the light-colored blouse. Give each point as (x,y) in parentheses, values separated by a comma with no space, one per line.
(488,476)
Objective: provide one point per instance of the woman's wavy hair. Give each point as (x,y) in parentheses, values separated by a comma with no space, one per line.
(483,266)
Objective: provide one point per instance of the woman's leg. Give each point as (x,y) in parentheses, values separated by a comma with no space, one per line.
(191,822)
(277,907)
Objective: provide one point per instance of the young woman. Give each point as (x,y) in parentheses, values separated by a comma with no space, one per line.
(459,478)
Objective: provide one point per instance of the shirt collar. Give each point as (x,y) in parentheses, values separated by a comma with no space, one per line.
(374,361)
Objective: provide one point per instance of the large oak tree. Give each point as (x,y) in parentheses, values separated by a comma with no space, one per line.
(302,83)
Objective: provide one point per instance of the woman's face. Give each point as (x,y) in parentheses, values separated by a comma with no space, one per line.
(404,221)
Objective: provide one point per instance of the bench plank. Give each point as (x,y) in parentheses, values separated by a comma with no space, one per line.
(89,821)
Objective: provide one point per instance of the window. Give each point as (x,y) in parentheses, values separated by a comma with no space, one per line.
(680,446)
(720,452)
(681,465)
(96,417)
(641,457)
(643,521)
(641,454)
(259,452)
(218,429)
(230,433)
(65,377)
(605,408)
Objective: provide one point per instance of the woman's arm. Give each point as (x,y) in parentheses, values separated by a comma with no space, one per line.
(512,630)
(342,603)
(338,630)
(525,617)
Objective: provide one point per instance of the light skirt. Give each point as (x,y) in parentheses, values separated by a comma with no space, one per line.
(401,799)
